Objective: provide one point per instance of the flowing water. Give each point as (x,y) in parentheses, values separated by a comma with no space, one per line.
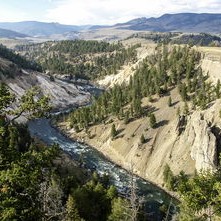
(94,160)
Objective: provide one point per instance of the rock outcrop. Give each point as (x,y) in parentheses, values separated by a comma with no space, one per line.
(202,142)
(61,93)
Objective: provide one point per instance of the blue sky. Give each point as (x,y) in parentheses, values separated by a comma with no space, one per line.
(79,12)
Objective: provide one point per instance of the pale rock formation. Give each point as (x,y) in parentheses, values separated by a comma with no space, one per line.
(202,142)
(61,93)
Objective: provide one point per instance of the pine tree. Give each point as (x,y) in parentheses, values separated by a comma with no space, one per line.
(120,210)
(178,111)
(71,210)
(169,102)
(183,92)
(142,139)
(113,131)
(126,117)
(185,109)
(152,120)
(217,89)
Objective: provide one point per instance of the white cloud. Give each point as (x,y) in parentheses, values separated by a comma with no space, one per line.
(115,11)
(104,11)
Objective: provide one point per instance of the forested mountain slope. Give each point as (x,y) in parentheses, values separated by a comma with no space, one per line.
(80,59)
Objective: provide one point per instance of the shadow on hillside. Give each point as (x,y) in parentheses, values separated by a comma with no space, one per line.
(174,103)
(119,135)
(162,123)
(151,109)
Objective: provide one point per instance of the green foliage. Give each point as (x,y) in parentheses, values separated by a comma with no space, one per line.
(142,139)
(185,109)
(220,113)
(202,39)
(169,102)
(21,167)
(120,210)
(33,186)
(155,75)
(168,177)
(113,131)
(92,201)
(81,59)
(6,98)
(201,195)
(217,89)
(178,111)
(152,120)
(72,213)
(79,47)
(126,117)
(31,104)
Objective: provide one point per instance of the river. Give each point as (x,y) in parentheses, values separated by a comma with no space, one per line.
(94,160)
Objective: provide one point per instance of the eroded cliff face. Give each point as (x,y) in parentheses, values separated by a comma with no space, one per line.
(61,93)
(188,143)
(202,142)
(185,143)
(193,143)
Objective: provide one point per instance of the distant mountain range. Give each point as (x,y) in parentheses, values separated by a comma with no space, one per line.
(35,28)
(5,33)
(182,22)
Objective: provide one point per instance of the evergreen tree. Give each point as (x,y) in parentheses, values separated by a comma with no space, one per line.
(217,89)
(113,131)
(185,109)
(152,120)
(126,117)
(120,210)
(71,210)
(178,111)
(168,177)
(169,102)
(142,139)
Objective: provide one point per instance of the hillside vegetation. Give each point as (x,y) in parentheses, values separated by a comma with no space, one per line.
(158,74)
(80,59)
(12,63)
(21,74)
(194,39)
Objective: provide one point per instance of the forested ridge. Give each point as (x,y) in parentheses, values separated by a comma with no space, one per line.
(199,39)
(79,58)
(17,59)
(157,74)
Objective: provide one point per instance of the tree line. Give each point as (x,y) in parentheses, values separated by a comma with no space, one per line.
(20,61)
